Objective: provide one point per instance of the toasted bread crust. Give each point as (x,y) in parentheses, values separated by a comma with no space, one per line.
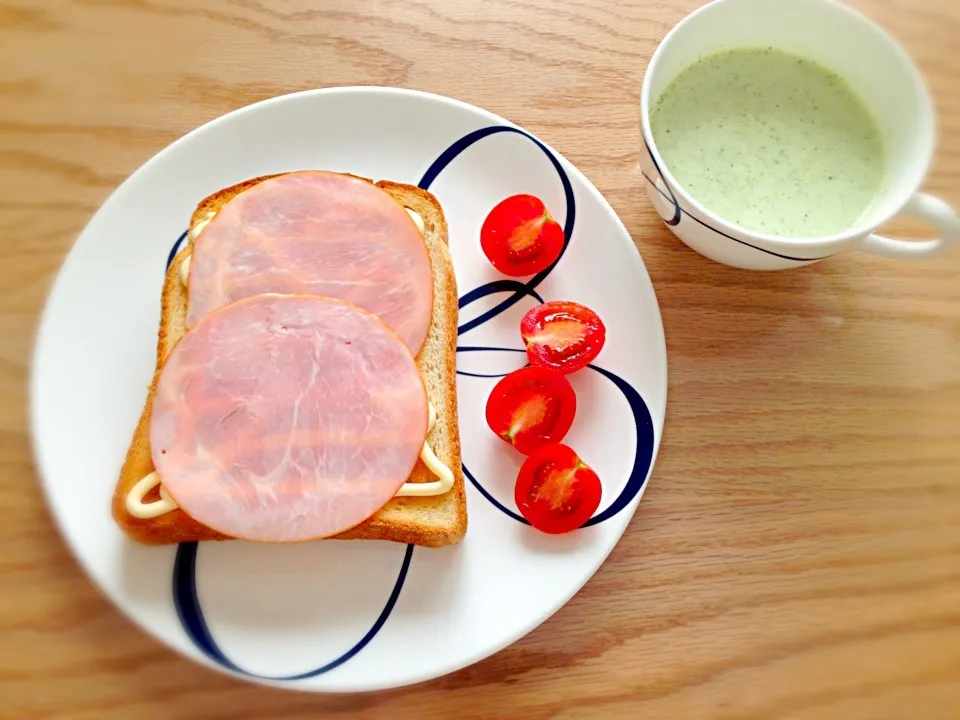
(428,521)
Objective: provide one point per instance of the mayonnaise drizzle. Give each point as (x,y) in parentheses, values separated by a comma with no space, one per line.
(417,220)
(434,465)
(185,270)
(201,224)
(139,509)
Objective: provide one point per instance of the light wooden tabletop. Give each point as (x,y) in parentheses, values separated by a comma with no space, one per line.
(797,554)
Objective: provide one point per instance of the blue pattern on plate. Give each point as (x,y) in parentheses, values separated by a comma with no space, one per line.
(642,459)
(518,288)
(185,596)
(191,615)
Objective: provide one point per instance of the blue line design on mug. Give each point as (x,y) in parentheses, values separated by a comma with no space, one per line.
(671,198)
(186,599)
(678,213)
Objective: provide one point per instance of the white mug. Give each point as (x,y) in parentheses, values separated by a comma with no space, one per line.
(872,62)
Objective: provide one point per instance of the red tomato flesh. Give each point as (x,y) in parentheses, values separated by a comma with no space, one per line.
(562,336)
(519,236)
(556,491)
(531,407)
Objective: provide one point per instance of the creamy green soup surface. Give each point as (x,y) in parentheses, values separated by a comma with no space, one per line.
(770,141)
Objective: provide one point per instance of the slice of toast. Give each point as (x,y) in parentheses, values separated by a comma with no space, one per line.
(429,521)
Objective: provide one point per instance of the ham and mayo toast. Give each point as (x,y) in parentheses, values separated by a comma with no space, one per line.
(254,299)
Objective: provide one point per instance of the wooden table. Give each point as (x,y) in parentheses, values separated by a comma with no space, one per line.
(797,554)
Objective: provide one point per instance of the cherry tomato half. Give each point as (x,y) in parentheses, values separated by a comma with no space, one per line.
(519,237)
(531,407)
(562,336)
(556,491)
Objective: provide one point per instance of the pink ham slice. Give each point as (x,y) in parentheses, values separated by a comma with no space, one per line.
(283,418)
(316,233)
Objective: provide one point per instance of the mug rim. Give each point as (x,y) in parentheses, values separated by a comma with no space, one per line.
(855,232)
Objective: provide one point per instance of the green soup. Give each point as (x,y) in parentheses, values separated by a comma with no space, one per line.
(770,141)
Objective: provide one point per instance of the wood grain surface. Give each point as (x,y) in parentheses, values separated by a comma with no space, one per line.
(797,554)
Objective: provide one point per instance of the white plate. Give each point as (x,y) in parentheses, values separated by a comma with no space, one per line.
(347,616)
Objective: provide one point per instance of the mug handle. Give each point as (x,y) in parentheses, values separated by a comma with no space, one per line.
(934,211)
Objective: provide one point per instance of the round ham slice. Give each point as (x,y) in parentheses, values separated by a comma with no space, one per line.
(282,418)
(316,233)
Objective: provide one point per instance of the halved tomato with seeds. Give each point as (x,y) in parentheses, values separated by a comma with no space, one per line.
(531,407)
(562,336)
(520,237)
(556,491)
